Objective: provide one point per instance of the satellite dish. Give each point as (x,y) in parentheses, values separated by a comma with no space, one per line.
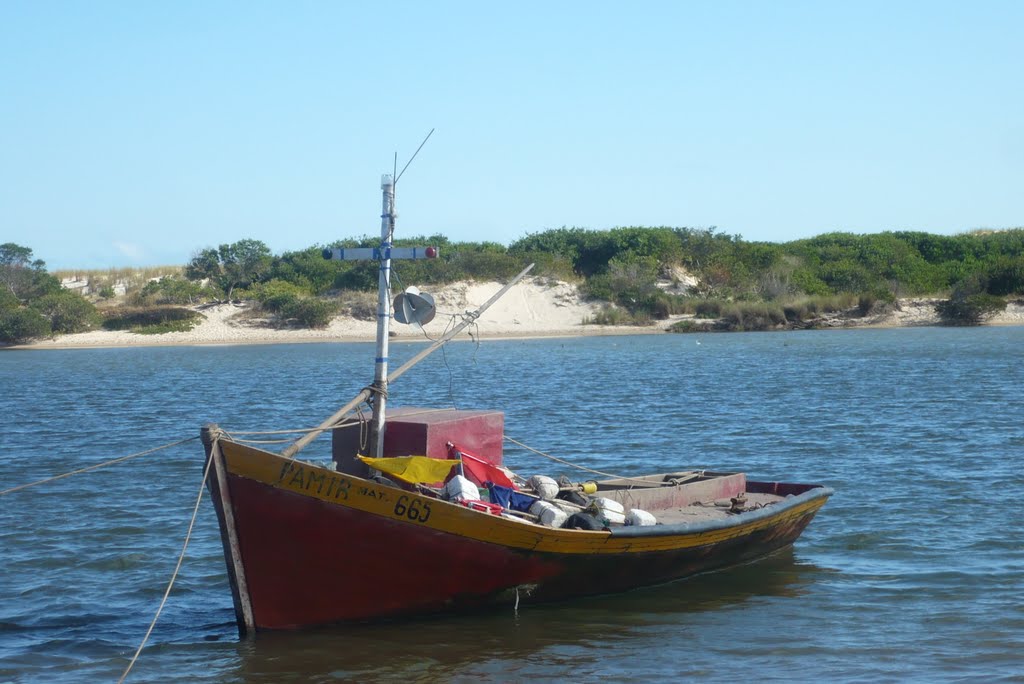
(415,308)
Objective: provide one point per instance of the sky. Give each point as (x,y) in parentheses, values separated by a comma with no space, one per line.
(138,133)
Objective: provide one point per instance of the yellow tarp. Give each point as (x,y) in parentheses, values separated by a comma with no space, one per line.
(414,469)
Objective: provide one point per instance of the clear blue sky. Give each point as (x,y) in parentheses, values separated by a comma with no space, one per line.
(135,133)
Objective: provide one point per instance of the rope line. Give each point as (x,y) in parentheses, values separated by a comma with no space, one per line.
(357,417)
(234,438)
(274,432)
(261,441)
(174,576)
(573,465)
(96,466)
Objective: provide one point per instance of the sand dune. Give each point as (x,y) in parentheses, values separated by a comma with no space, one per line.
(534,307)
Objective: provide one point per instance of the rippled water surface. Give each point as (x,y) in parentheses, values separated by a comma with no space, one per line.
(914,570)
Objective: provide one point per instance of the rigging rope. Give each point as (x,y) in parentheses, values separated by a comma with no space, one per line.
(359,420)
(573,465)
(174,576)
(96,466)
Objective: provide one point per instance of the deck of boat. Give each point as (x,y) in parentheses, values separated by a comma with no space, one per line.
(706,511)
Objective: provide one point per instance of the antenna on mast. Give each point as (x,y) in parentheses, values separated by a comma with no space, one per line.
(413,155)
(416,308)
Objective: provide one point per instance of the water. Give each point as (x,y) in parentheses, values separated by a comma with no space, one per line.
(914,570)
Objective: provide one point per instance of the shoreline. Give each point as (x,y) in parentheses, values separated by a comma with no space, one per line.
(531,310)
(297,337)
(300,337)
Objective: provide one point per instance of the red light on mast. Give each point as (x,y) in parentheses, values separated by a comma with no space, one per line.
(431,252)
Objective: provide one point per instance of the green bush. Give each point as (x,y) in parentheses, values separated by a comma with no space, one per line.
(547,265)
(273,288)
(688,326)
(867,301)
(631,283)
(18,326)
(658,306)
(1005,275)
(152,320)
(969,310)
(487,265)
(611,315)
(281,302)
(173,290)
(806,281)
(291,302)
(796,312)
(750,316)
(67,312)
(310,312)
(307,269)
(816,306)
(709,308)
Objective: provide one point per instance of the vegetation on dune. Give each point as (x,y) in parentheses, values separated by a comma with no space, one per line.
(23,278)
(635,271)
(624,265)
(106,284)
(238,264)
(173,290)
(32,302)
(152,320)
(969,309)
(292,304)
(66,312)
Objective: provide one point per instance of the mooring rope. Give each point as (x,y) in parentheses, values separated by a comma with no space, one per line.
(574,465)
(96,466)
(174,576)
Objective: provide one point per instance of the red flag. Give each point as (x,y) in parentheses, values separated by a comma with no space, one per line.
(479,471)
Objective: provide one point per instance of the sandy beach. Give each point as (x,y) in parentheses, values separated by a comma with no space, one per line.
(533,308)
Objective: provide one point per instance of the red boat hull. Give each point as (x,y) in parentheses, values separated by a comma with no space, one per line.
(305,555)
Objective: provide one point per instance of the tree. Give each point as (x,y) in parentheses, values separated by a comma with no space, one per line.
(8,301)
(173,290)
(23,276)
(238,264)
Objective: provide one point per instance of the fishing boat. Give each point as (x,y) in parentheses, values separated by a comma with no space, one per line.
(417,513)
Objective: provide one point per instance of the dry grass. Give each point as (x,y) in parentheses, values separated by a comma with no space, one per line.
(130,279)
(361,306)
(112,274)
